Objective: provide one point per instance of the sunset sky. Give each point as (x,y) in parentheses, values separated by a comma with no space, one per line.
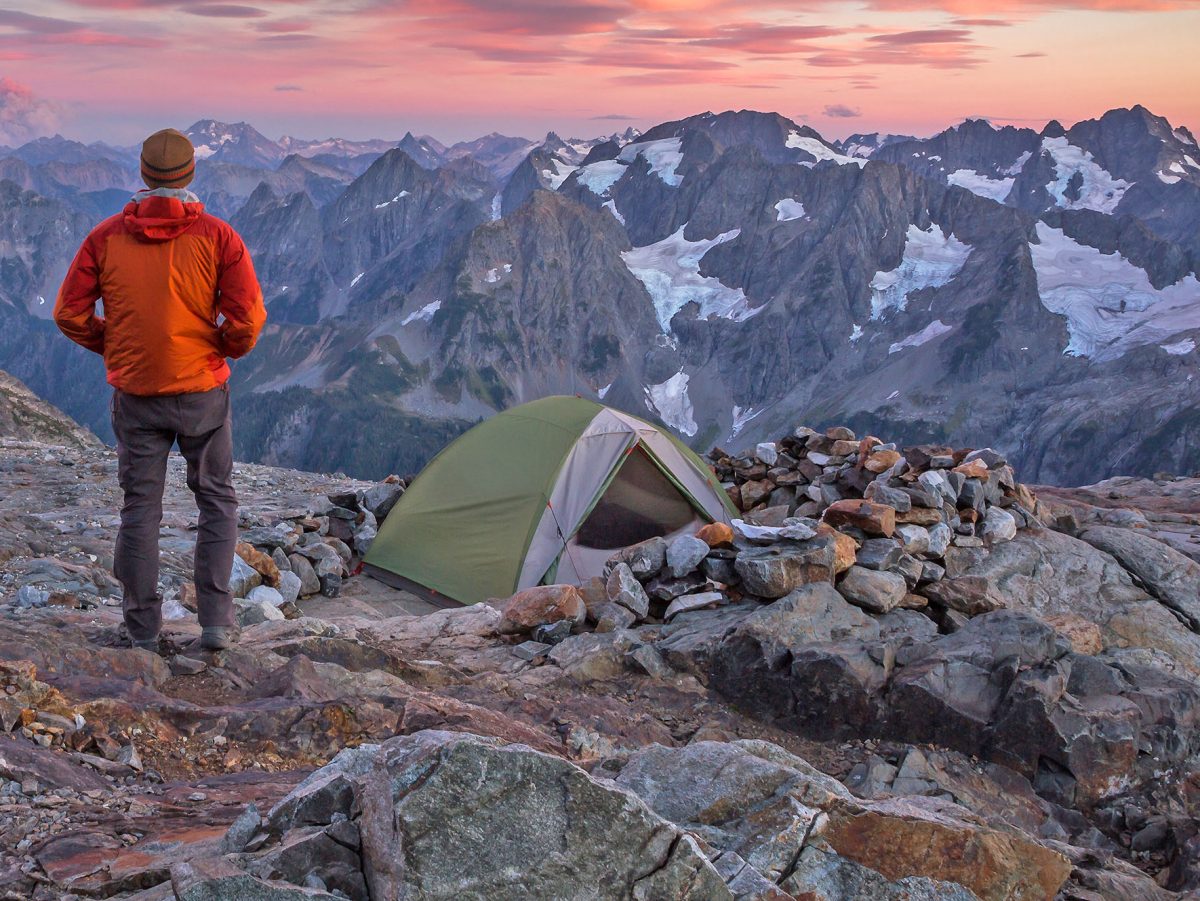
(115,69)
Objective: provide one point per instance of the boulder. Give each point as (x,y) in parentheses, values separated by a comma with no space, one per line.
(624,589)
(874,590)
(217,879)
(716,534)
(872,518)
(261,562)
(453,815)
(543,604)
(999,525)
(243,577)
(821,874)
(684,555)
(290,585)
(1168,575)
(310,582)
(645,559)
(772,572)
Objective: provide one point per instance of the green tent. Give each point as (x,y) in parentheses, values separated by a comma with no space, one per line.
(544,492)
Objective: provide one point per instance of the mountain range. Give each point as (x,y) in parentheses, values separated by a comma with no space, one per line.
(725,274)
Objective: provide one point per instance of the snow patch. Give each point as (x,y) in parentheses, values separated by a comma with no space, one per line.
(426,312)
(930,259)
(1108,302)
(815,148)
(1182,135)
(558,174)
(358,278)
(992,188)
(493,276)
(855,333)
(396,199)
(789,209)
(741,418)
(1179,348)
(1100,190)
(603,392)
(933,330)
(611,206)
(893,395)
(1015,168)
(671,402)
(663,157)
(599,177)
(670,270)
(496,205)
(1174,167)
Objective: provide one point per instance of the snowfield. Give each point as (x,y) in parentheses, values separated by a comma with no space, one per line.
(930,259)
(1100,190)
(992,188)
(816,149)
(789,209)
(741,418)
(599,177)
(1108,302)
(558,174)
(426,312)
(662,155)
(611,206)
(931,331)
(671,402)
(670,270)
(1179,348)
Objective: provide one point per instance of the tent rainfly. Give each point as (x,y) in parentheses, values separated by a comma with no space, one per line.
(541,493)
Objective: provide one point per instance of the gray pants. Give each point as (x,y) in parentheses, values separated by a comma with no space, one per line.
(146,428)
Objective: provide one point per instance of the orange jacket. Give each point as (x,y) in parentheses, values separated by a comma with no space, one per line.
(167,271)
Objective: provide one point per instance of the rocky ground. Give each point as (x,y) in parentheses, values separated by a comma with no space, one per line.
(899,676)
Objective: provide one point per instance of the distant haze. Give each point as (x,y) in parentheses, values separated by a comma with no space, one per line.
(115,69)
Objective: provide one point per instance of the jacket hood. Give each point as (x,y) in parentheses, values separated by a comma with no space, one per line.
(162,214)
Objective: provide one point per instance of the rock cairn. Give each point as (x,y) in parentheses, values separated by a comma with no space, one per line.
(279,563)
(879,522)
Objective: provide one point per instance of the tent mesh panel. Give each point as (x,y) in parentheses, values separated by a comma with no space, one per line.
(640,503)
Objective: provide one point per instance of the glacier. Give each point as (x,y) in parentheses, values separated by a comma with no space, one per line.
(1101,191)
(930,259)
(599,177)
(1108,302)
(815,148)
(662,155)
(670,271)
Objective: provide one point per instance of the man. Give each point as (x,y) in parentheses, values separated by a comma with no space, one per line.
(179,296)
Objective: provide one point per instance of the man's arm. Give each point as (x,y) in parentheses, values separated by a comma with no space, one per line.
(239,300)
(75,308)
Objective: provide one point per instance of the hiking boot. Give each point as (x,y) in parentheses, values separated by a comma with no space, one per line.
(145,644)
(218,638)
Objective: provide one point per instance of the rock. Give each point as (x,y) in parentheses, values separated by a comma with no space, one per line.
(811,614)
(967,594)
(821,874)
(879,553)
(331,584)
(381,498)
(915,538)
(262,563)
(645,559)
(999,525)
(684,555)
(772,572)
(216,879)
(939,540)
(263,594)
(872,518)
(594,657)
(531,650)
(251,613)
(1168,575)
(289,586)
(623,588)
(942,842)
(436,790)
(686,602)
(129,756)
(244,828)
(613,617)
(845,550)
(310,583)
(755,492)
(767,452)
(873,590)
(899,500)
(324,793)
(716,534)
(543,604)
(939,485)
(647,660)
(552,633)
(243,578)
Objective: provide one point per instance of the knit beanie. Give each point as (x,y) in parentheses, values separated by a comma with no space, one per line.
(168,159)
